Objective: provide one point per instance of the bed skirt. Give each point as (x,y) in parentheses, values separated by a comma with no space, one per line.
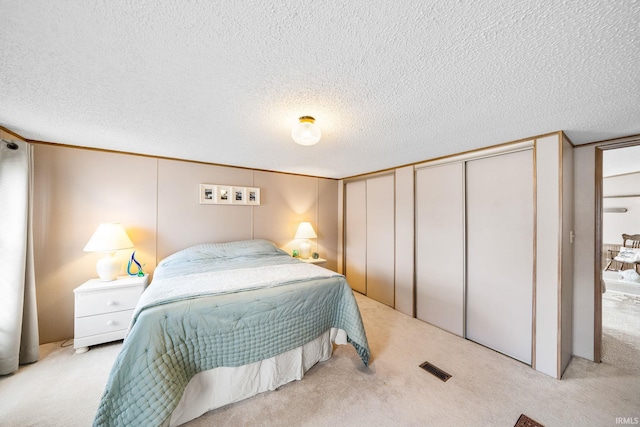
(221,386)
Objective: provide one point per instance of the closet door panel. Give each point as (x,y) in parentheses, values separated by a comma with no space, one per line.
(355,230)
(381,239)
(440,246)
(499,203)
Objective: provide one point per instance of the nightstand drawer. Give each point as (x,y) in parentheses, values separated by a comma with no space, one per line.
(107,300)
(103,323)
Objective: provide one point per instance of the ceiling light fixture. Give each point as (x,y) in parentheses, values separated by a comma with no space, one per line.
(306,132)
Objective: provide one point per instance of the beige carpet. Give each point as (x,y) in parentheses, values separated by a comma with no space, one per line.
(486,388)
(621,330)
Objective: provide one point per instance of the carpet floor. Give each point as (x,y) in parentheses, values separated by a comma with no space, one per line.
(486,388)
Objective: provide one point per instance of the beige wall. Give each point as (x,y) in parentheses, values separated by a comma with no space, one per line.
(157,202)
(554,254)
(584,248)
(182,221)
(615,224)
(566,275)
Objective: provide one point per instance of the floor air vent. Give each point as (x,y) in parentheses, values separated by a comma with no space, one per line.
(525,421)
(435,371)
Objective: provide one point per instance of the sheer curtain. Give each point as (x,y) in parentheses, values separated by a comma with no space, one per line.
(18,315)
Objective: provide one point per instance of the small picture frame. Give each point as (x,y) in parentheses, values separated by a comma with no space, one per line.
(238,195)
(252,195)
(217,194)
(207,195)
(224,195)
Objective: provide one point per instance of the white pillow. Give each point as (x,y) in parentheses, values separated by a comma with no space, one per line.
(630,275)
(628,255)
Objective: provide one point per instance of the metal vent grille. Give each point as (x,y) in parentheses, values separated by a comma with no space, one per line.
(435,371)
(525,421)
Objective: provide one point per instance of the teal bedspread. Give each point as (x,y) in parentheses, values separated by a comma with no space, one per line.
(172,341)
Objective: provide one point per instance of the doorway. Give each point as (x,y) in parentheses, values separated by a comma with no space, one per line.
(620,282)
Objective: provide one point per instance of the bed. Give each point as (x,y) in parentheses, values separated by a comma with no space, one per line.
(221,322)
(624,282)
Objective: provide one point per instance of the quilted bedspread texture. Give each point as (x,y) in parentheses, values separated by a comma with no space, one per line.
(170,343)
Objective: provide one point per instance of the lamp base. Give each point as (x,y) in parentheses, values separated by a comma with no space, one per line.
(305,249)
(108,267)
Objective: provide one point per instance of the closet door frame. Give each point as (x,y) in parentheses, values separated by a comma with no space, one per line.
(381,254)
(440,297)
(528,144)
(345,214)
(499,300)
(358,261)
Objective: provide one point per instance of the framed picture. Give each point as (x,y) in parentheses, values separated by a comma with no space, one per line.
(224,195)
(207,195)
(216,194)
(238,194)
(253,196)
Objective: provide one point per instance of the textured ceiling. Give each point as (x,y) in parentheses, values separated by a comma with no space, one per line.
(389,83)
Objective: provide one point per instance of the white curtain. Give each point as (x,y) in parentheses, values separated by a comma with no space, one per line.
(18,315)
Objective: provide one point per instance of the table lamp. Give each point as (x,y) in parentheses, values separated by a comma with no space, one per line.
(306,232)
(108,238)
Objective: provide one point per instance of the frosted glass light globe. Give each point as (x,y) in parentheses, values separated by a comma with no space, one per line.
(306,132)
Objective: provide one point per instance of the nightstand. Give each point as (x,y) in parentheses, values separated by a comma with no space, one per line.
(318,261)
(103,310)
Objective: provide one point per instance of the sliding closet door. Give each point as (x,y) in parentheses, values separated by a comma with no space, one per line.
(499,202)
(440,246)
(355,230)
(381,239)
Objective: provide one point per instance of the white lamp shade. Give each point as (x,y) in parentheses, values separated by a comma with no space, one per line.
(109,238)
(306,232)
(306,132)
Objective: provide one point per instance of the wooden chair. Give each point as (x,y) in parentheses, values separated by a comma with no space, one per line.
(634,242)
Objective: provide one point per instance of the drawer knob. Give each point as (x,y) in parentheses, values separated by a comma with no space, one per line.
(110,303)
(110,323)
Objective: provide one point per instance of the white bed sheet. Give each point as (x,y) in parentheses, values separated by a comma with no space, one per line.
(217,387)
(614,282)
